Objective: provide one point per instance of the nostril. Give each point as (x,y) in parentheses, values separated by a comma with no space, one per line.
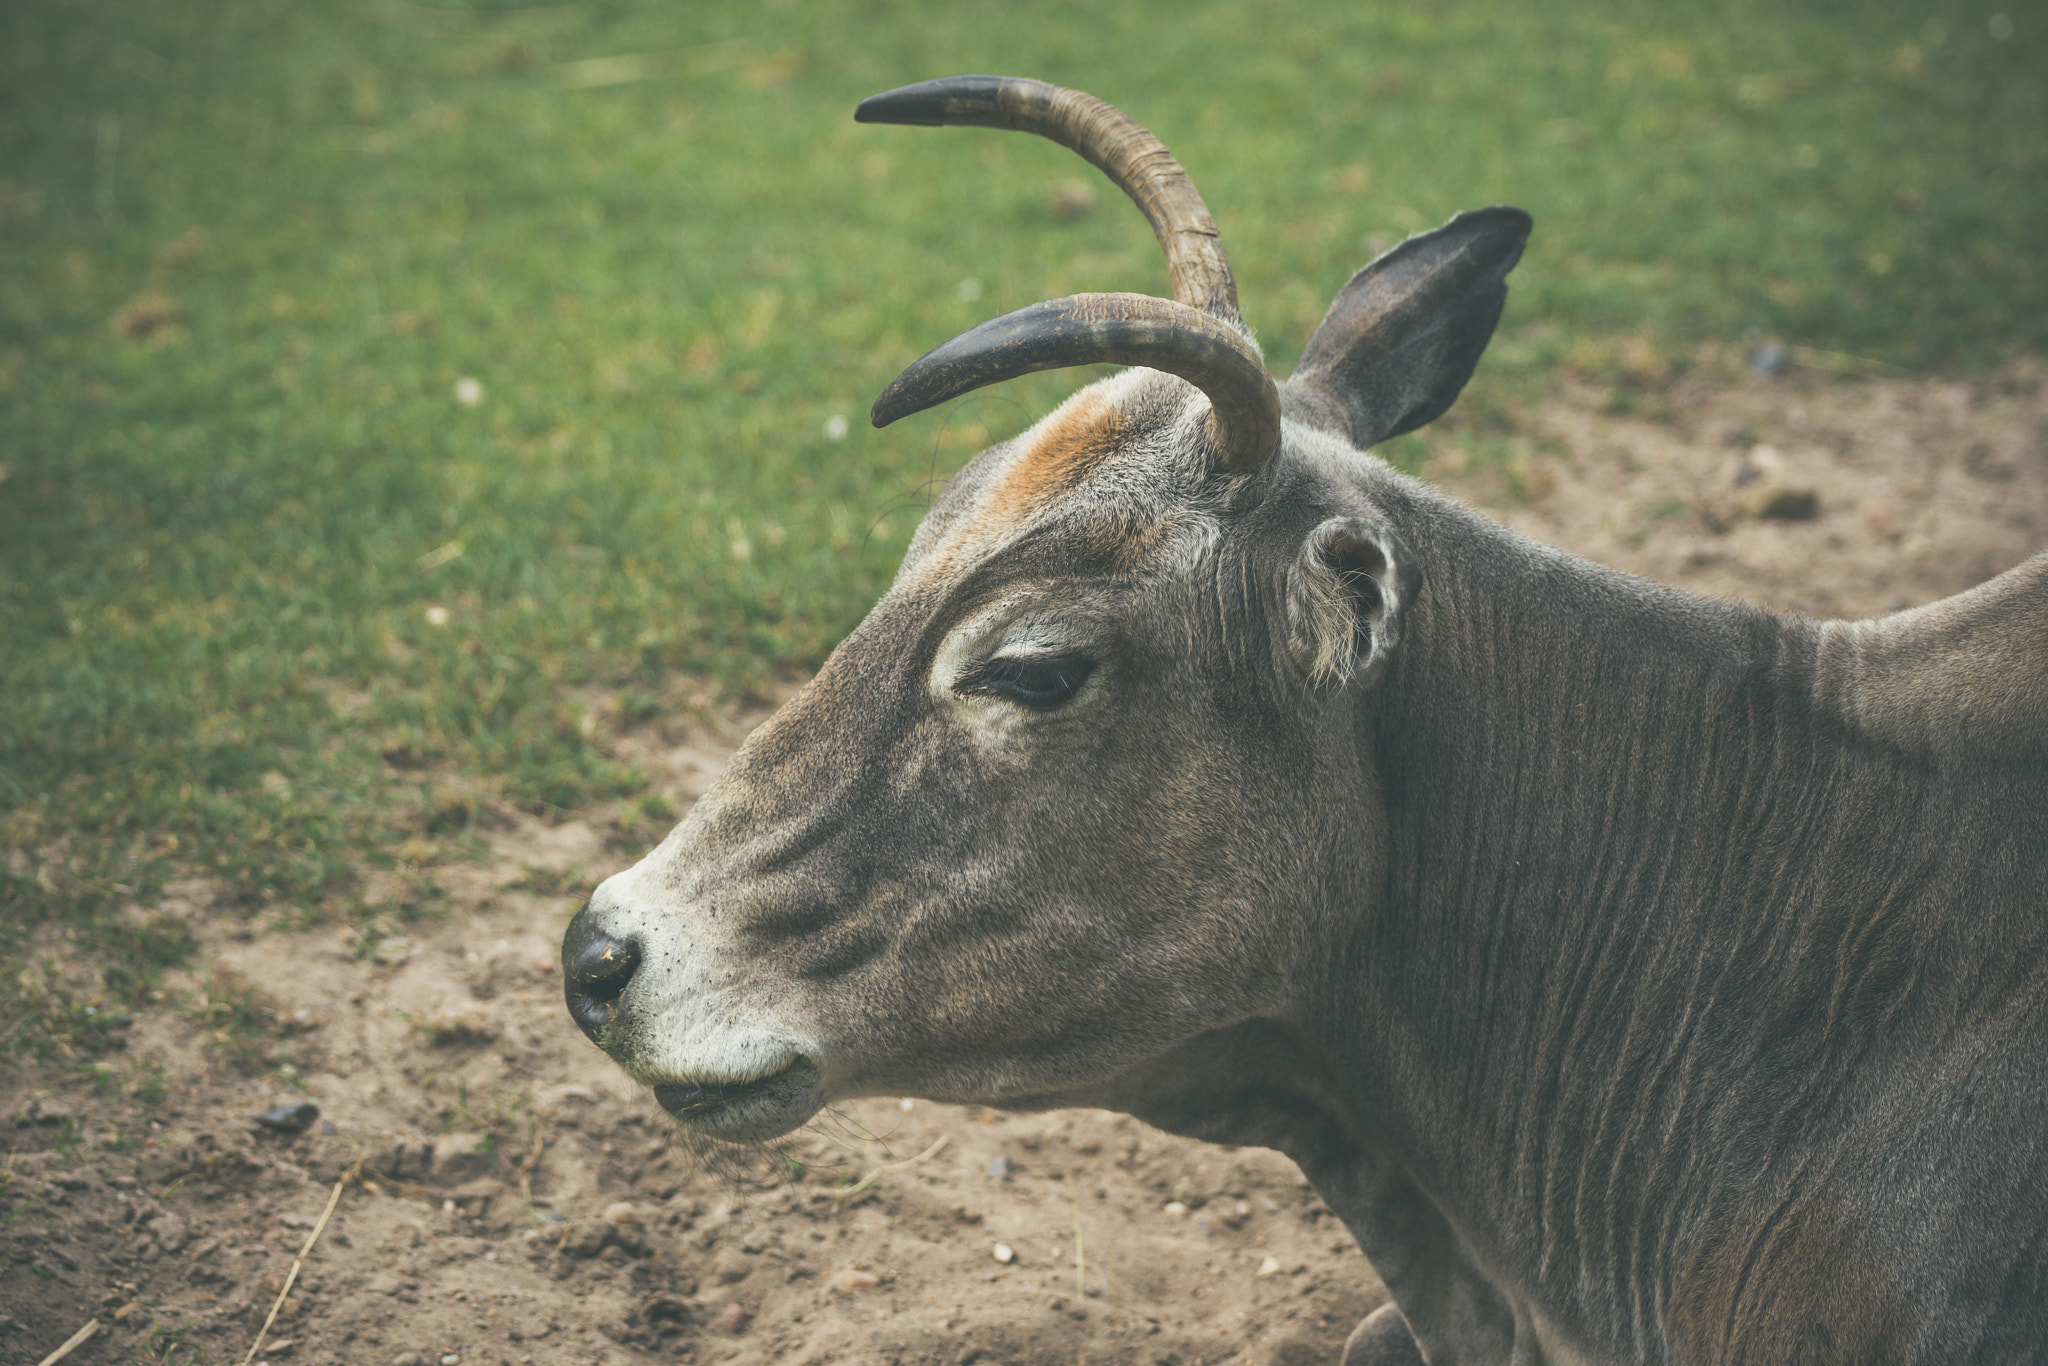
(605,965)
(596,967)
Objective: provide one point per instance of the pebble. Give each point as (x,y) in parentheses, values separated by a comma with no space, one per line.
(1269,1267)
(1005,1254)
(732,1319)
(1001,1169)
(858,1280)
(1768,359)
(621,1212)
(1778,502)
(1176,1209)
(289,1119)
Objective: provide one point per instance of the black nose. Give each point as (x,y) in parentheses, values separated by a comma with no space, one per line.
(595,970)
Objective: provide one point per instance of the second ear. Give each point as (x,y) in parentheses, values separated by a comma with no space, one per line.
(1346,594)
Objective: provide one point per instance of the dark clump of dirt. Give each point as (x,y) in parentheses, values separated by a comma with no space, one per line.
(506,1196)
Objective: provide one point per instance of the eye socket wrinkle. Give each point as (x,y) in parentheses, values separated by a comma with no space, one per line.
(1040,682)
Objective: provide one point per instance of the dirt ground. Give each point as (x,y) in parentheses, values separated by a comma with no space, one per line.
(518,1202)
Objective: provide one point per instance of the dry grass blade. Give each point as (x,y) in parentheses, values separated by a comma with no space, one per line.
(71,1343)
(857,1187)
(333,1199)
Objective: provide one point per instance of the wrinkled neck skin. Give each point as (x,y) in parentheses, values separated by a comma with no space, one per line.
(1548,1076)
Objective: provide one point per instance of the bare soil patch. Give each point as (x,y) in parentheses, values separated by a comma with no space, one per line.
(520,1202)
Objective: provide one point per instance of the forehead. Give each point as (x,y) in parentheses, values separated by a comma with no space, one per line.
(1114,462)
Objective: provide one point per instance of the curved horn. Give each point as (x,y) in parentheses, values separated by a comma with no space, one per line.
(1120,329)
(1124,151)
(1199,336)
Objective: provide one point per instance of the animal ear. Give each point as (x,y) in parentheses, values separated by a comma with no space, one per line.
(1347,593)
(1403,336)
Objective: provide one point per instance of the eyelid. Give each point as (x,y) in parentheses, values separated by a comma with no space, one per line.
(1003,676)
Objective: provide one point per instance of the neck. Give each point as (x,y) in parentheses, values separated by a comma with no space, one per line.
(1579,771)
(1651,910)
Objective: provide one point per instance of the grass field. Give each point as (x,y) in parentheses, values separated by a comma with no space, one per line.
(396,400)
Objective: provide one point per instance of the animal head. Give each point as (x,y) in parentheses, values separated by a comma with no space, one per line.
(1082,789)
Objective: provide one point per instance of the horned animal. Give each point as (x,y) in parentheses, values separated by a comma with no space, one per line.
(1642,978)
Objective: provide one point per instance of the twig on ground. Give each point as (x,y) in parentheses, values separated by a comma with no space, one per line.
(333,1199)
(857,1187)
(71,1344)
(527,1167)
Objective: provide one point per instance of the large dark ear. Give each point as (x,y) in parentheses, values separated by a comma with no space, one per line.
(1347,593)
(1403,336)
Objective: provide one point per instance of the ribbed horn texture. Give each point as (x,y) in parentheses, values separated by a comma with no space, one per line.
(1197,335)
(1120,329)
(1115,142)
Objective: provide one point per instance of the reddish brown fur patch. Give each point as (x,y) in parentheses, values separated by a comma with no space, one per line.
(1069,447)
(1808,1287)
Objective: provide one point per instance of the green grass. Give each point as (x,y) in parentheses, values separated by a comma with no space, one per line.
(275,606)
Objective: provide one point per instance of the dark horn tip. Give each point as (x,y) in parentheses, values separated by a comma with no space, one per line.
(899,401)
(925,104)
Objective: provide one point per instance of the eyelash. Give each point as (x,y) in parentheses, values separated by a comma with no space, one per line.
(1038,682)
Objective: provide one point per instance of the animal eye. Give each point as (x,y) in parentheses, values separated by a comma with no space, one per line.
(1038,681)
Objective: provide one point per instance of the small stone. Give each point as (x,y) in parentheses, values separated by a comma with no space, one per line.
(407,1359)
(1001,1169)
(283,1347)
(1768,359)
(858,1280)
(1176,1209)
(293,1119)
(1005,1254)
(1269,1267)
(621,1212)
(733,1319)
(1777,502)
(450,1359)
(126,1183)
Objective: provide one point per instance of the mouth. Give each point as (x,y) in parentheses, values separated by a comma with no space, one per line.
(746,1111)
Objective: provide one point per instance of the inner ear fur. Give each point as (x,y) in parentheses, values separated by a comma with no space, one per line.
(1346,596)
(1403,336)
